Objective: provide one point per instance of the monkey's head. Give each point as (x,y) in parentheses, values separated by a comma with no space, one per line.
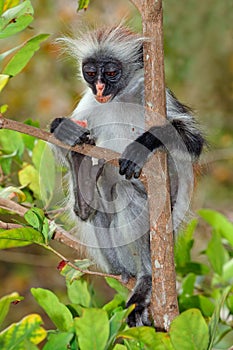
(109,58)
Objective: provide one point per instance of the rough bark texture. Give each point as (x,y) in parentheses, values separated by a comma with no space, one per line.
(164,306)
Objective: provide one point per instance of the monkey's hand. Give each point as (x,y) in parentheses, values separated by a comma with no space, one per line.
(132,160)
(69,132)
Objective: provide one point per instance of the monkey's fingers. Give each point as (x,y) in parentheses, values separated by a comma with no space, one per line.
(129,169)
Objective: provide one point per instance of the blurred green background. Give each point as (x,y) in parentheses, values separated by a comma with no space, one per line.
(199,70)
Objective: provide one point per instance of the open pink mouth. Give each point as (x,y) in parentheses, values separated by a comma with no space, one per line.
(103,99)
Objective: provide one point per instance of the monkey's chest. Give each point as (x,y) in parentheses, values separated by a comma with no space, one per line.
(117,129)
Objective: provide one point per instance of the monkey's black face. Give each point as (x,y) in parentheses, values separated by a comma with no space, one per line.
(103,77)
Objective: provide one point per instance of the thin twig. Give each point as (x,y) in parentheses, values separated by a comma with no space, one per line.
(61,236)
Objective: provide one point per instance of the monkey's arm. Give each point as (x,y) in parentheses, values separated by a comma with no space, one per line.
(181,135)
(69,132)
(84,174)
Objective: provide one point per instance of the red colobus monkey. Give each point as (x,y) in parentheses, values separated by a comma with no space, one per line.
(109,205)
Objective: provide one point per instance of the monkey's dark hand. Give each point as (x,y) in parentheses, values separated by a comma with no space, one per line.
(69,132)
(132,160)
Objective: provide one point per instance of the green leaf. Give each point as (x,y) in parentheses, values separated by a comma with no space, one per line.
(115,284)
(19,237)
(117,324)
(5,303)
(193,267)
(3,80)
(16,146)
(119,347)
(230,303)
(213,324)
(41,157)
(227,274)
(35,218)
(27,331)
(29,176)
(23,56)
(184,245)
(57,312)
(189,331)
(148,337)
(92,329)
(58,341)
(3,108)
(188,284)
(219,222)
(117,301)
(216,253)
(199,302)
(71,274)
(83,4)
(16,19)
(78,292)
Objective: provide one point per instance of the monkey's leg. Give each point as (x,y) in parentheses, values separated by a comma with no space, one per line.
(85,176)
(141,298)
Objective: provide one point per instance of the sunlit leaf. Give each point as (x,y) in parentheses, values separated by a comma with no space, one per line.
(23,56)
(10,3)
(78,292)
(3,80)
(3,108)
(213,324)
(117,301)
(57,312)
(19,237)
(15,146)
(35,218)
(117,324)
(58,341)
(148,337)
(113,283)
(83,4)
(219,222)
(72,274)
(120,347)
(92,329)
(16,19)
(29,176)
(5,303)
(42,156)
(189,331)
(215,246)
(188,284)
(27,331)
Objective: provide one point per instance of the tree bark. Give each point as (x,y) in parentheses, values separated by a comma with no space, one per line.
(164,305)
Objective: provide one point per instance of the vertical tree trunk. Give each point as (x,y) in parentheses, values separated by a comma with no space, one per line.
(164,306)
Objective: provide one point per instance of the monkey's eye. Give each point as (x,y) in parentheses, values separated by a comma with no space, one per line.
(91,74)
(111,74)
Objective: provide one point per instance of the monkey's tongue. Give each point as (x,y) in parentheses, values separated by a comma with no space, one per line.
(103,99)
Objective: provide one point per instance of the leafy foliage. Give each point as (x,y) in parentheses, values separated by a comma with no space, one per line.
(16,16)
(205,289)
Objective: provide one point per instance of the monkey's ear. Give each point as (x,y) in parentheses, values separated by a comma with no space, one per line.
(67,131)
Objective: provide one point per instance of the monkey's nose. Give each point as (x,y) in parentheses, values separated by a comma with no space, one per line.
(100,88)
